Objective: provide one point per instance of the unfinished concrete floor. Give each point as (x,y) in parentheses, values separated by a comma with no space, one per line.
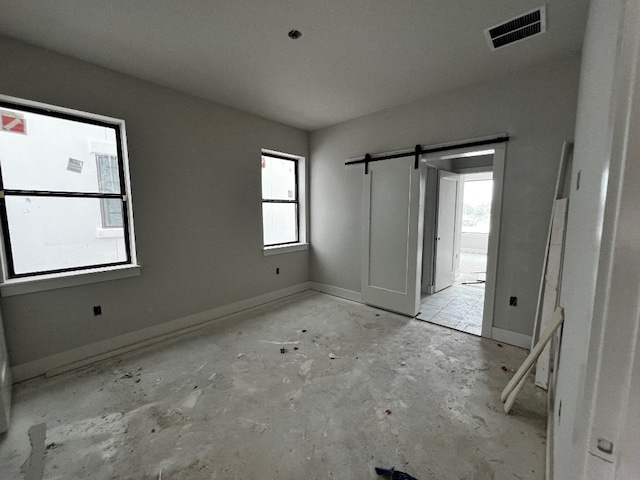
(224,403)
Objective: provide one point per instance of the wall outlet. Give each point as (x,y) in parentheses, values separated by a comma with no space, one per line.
(97,310)
(513,301)
(278,271)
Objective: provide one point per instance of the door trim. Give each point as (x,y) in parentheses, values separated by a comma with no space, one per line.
(494,240)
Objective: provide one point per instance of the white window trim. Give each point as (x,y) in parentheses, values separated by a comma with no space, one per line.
(20,286)
(303,211)
(109,232)
(277,249)
(23,285)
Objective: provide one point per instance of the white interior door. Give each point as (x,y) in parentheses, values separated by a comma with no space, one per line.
(393,212)
(446,255)
(5,383)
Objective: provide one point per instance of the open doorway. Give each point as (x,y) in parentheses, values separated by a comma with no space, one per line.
(462,250)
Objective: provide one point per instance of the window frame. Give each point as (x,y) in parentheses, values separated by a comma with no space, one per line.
(296,200)
(105,202)
(14,282)
(303,208)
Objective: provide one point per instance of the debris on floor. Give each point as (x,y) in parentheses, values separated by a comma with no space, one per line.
(279,343)
(295,348)
(283,350)
(388,411)
(404,364)
(33,468)
(332,356)
(244,414)
(394,474)
(240,355)
(504,369)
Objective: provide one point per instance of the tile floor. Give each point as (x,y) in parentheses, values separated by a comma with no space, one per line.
(458,307)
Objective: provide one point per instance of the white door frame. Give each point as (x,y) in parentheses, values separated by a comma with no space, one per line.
(499,155)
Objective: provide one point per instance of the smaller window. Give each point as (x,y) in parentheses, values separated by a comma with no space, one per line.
(280,200)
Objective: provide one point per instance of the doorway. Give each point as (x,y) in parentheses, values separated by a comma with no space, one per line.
(465,301)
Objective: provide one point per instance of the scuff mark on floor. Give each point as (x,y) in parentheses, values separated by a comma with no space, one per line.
(33,468)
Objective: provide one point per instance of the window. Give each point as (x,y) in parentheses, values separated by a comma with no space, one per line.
(57,192)
(279,200)
(282,200)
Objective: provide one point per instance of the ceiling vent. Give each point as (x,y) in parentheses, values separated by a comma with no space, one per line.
(517,29)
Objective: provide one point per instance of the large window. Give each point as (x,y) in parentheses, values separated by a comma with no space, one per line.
(63,182)
(280,200)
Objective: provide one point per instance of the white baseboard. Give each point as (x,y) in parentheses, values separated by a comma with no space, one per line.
(95,352)
(336,291)
(479,251)
(511,338)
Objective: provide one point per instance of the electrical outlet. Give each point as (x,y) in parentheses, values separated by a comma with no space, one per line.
(278,271)
(97,310)
(513,301)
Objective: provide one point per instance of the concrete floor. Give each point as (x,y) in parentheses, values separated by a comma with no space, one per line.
(224,403)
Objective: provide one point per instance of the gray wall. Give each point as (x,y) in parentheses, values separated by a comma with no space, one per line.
(196,196)
(536,108)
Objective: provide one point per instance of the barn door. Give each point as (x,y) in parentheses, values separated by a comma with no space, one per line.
(392,235)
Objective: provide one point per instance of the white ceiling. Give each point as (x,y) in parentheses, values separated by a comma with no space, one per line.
(354,57)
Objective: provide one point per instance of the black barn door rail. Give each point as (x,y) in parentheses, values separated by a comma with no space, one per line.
(421,151)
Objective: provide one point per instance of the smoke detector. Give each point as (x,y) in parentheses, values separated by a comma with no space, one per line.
(517,29)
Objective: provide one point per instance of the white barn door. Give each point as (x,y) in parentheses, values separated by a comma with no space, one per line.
(393,212)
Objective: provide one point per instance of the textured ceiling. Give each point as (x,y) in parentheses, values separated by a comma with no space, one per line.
(354,57)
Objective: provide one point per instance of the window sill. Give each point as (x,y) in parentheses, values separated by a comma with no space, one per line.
(278,249)
(43,283)
(109,232)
